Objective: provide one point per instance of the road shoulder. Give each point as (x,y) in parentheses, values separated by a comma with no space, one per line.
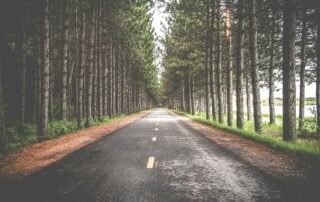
(292,170)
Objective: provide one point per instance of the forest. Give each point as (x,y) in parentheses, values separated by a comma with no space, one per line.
(72,64)
(66,65)
(219,54)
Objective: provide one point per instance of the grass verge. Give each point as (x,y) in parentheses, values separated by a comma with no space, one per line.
(274,142)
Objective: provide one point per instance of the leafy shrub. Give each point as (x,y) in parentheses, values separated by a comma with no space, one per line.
(59,128)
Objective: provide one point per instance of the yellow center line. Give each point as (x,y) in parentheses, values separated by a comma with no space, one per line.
(150,162)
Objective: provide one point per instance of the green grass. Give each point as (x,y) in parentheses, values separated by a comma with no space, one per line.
(19,136)
(274,140)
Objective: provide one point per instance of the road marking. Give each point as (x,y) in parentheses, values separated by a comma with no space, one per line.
(157,124)
(150,162)
(154,138)
(156,129)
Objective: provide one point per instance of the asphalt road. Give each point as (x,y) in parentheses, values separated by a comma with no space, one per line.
(186,166)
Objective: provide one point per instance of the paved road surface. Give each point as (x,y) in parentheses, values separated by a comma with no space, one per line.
(186,167)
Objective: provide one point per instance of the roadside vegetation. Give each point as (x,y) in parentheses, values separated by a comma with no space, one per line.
(23,135)
(306,144)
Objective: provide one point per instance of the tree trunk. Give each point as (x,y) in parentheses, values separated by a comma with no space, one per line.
(116,81)
(23,80)
(89,69)
(43,119)
(318,73)
(82,63)
(207,58)
(218,64)
(64,66)
(229,65)
(248,96)
(211,63)
(239,84)
(255,69)
(99,66)
(302,70)
(191,95)
(289,84)
(123,67)
(271,74)
(3,139)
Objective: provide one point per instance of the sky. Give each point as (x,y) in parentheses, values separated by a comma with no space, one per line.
(159,16)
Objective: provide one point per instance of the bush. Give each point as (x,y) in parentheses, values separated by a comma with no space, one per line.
(59,128)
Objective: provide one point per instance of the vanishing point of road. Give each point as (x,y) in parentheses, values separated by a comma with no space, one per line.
(156,158)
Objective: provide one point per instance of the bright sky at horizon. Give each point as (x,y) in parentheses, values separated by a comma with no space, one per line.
(310,91)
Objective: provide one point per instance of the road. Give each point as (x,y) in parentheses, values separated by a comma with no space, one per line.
(156,158)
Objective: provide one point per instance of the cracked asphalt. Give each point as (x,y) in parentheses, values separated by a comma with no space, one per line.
(187,167)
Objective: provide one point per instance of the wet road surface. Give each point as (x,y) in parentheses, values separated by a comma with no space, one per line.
(157,158)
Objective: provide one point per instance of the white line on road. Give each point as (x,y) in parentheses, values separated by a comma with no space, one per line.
(154,138)
(156,129)
(150,162)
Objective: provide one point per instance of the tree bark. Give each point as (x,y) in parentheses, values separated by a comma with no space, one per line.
(3,139)
(64,65)
(218,63)
(289,84)
(272,119)
(248,96)
(229,65)
(89,69)
(23,76)
(99,65)
(255,69)
(43,119)
(302,70)
(207,57)
(318,73)
(81,70)
(239,84)
(192,95)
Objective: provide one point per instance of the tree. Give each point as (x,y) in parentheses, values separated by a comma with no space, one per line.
(64,65)
(90,67)
(208,60)
(229,65)
(302,69)
(318,72)
(255,68)
(43,119)
(239,83)
(82,63)
(272,119)
(289,85)
(218,63)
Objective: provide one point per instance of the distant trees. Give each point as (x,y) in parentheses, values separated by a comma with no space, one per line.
(74,60)
(264,35)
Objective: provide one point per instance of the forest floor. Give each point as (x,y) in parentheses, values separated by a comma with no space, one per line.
(30,159)
(297,171)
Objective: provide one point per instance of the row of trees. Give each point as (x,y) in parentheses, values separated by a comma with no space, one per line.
(71,59)
(217,47)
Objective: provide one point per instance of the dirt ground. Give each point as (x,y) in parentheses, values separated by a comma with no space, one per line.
(295,170)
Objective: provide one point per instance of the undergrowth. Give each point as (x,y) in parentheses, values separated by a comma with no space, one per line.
(21,135)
